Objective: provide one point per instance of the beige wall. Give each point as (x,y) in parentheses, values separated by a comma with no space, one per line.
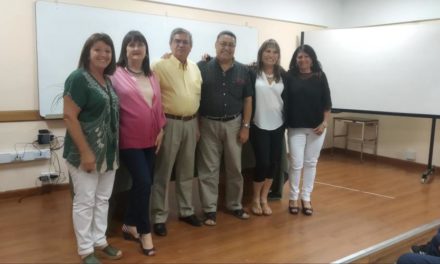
(19,72)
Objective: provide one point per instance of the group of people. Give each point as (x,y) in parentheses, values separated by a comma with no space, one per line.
(156,118)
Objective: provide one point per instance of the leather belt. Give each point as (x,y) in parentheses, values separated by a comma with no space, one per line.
(223,118)
(182,118)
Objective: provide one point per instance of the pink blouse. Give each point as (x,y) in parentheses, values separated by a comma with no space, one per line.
(139,123)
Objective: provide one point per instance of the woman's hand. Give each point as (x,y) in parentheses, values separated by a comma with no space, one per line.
(88,161)
(159,139)
(321,128)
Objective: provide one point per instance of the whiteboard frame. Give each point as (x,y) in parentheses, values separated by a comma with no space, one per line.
(409,51)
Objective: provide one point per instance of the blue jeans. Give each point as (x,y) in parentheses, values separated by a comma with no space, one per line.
(412,258)
(432,251)
(139,163)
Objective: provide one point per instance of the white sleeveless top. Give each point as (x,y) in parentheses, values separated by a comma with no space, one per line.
(269,104)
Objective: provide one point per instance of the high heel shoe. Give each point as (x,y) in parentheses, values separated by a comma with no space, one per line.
(147,251)
(293,209)
(306,210)
(127,235)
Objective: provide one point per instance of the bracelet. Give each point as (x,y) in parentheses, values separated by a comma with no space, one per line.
(245,125)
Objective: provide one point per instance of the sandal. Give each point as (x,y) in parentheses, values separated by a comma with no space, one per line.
(210,219)
(293,209)
(147,251)
(128,235)
(256,208)
(241,214)
(306,210)
(266,209)
(110,252)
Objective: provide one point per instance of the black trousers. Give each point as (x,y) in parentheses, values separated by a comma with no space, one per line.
(267,146)
(140,164)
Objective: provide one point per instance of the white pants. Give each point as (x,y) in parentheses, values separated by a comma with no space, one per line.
(90,207)
(304,149)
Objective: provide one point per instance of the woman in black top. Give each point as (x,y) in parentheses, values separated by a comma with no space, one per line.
(307,113)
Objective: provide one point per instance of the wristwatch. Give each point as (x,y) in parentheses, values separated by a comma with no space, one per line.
(246,125)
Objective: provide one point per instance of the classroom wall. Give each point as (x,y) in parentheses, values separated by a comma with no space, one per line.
(19,72)
(327,13)
(315,12)
(358,13)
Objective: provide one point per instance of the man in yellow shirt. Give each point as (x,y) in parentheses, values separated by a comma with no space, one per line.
(180,83)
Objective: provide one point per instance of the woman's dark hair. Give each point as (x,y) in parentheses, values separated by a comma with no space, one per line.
(270,43)
(316,65)
(84,59)
(135,36)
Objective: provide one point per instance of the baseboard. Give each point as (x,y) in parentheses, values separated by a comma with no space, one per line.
(372,157)
(33,191)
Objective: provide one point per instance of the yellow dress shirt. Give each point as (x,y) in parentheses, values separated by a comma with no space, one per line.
(180,85)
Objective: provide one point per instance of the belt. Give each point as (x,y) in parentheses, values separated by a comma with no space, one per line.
(223,118)
(183,118)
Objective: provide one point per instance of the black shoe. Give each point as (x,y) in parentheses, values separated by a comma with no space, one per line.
(241,214)
(421,250)
(192,220)
(160,229)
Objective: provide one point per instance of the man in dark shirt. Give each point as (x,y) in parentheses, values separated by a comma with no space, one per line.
(225,113)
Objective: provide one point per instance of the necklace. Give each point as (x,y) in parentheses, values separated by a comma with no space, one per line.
(269,77)
(134,72)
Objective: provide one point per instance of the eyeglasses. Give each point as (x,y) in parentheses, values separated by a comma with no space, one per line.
(227,44)
(184,42)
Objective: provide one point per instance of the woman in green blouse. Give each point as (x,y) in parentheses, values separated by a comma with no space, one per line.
(91,117)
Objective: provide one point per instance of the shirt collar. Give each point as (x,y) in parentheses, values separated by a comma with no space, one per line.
(180,65)
(218,64)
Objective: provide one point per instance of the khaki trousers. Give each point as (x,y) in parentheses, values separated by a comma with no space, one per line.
(177,150)
(217,138)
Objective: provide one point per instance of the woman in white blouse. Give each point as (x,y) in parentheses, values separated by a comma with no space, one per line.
(267,130)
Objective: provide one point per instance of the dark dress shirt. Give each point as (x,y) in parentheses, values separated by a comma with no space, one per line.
(223,92)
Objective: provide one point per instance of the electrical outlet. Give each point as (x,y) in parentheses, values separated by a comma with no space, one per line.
(47,177)
(44,177)
(54,176)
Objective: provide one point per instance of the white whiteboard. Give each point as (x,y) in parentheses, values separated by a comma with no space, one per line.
(62,30)
(393,69)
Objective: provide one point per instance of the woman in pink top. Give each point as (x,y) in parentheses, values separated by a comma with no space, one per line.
(141,123)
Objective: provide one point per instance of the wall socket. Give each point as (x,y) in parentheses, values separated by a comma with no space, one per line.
(410,155)
(48,177)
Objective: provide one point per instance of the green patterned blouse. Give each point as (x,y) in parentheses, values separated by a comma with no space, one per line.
(99,119)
